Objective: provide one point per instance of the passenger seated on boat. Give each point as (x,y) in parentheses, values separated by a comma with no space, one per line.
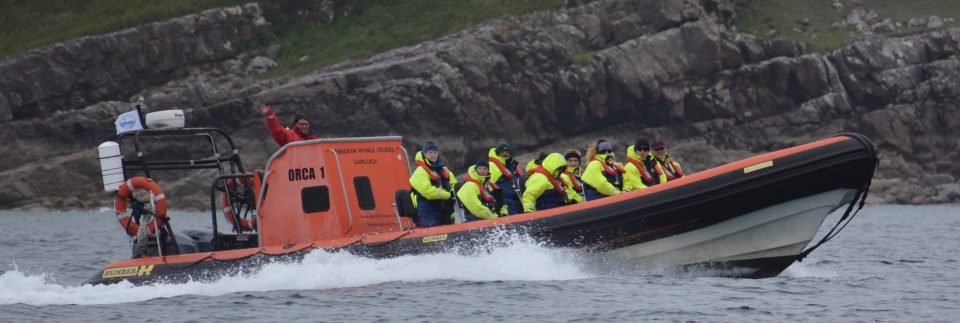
(475,194)
(432,185)
(570,177)
(299,129)
(506,173)
(642,171)
(603,176)
(670,167)
(543,188)
(533,163)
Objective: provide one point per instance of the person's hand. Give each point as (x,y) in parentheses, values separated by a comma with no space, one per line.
(265,109)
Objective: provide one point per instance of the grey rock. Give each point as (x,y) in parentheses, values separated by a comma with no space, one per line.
(858,16)
(948,193)
(260,64)
(939,179)
(575,3)
(886,26)
(86,70)
(233,66)
(549,80)
(917,22)
(6,113)
(934,22)
(274,50)
(592,29)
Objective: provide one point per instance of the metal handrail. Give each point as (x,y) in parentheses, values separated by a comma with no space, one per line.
(343,188)
(396,208)
(186,164)
(213,206)
(406,156)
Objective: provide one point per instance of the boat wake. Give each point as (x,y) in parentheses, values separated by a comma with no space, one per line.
(520,260)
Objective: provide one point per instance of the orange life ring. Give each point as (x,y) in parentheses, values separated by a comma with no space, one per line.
(245,225)
(126,191)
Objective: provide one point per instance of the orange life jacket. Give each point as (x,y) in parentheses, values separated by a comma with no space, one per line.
(642,168)
(573,179)
(673,170)
(611,170)
(487,197)
(553,181)
(434,177)
(503,169)
(676,168)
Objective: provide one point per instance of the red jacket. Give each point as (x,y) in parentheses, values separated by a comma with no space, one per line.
(283,135)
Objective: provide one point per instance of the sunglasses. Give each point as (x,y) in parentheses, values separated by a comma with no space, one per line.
(607,151)
(303,123)
(643,148)
(659,149)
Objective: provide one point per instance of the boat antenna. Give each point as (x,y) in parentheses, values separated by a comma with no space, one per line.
(140,111)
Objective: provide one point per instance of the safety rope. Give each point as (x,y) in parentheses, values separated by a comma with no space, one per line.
(143,234)
(862,196)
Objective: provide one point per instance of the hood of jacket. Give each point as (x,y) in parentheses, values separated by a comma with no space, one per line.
(602,157)
(554,163)
(633,154)
(493,154)
(422,158)
(472,172)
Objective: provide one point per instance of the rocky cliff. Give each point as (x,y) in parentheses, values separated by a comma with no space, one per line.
(548,80)
(88,70)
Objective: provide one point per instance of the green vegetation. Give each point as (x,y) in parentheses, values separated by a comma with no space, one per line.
(370,26)
(583,57)
(757,17)
(375,26)
(28,24)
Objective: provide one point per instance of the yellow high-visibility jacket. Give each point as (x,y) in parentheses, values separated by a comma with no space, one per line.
(668,164)
(538,183)
(632,180)
(469,195)
(573,194)
(593,176)
(420,181)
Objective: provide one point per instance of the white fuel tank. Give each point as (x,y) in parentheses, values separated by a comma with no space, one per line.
(111,165)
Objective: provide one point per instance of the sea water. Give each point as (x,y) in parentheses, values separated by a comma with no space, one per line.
(892,263)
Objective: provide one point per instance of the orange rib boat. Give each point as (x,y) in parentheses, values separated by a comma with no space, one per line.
(754,217)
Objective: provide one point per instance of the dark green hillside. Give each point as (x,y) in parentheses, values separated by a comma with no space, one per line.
(28,24)
(374,26)
(369,27)
(786,18)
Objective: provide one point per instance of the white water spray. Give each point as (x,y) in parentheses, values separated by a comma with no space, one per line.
(520,260)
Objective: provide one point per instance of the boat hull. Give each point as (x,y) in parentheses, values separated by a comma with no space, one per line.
(752,218)
(757,244)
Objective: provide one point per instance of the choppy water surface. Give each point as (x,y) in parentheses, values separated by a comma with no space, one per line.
(893,263)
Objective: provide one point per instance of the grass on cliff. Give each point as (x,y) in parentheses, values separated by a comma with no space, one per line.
(369,26)
(27,24)
(375,26)
(758,17)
